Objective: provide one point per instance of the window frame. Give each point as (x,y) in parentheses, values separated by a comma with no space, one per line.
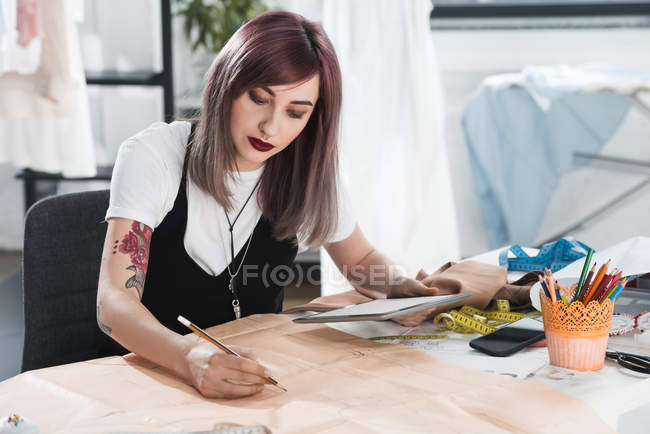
(554,15)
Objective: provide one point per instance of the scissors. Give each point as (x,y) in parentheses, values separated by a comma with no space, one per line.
(630,361)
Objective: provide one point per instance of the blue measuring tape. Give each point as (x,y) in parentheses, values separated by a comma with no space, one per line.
(555,256)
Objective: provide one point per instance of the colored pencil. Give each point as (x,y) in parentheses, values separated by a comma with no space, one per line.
(612,286)
(596,283)
(564,299)
(618,290)
(586,283)
(604,284)
(608,286)
(196,329)
(549,284)
(565,293)
(583,275)
(549,279)
(617,277)
(541,281)
(602,271)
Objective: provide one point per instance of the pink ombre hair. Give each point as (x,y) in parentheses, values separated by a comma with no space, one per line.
(298,189)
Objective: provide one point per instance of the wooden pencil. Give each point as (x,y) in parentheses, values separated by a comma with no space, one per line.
(583,274)
(541,281)
(199,331)
(615,276)
(619,287)
(550,284)
(586,283)
(597,280)
(607,279)
(611,286)
(586,291)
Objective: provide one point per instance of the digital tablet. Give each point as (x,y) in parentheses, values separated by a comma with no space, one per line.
(382,309)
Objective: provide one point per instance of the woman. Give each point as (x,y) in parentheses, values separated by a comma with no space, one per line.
(255,174)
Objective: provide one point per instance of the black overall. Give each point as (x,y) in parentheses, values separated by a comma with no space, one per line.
(176,285)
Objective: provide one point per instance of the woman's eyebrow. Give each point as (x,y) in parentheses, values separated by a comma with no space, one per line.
(270,92)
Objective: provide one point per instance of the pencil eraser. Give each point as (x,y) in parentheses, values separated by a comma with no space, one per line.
(183,321)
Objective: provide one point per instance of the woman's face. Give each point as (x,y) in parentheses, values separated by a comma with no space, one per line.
(265,120)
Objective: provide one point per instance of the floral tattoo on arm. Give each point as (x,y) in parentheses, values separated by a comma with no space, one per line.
(136,244)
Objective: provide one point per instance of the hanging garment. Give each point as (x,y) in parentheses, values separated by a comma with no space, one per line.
(521,132)
(3,25)
(8,32)
(20,43)
(29,21)
(44,115)
(393,155)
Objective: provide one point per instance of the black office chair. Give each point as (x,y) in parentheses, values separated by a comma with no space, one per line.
(63,243)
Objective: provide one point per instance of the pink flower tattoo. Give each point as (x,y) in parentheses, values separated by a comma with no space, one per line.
(136,244)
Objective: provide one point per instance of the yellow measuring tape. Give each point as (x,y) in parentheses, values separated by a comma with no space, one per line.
(472,320)
(408,337)
(468,319)
(460,323)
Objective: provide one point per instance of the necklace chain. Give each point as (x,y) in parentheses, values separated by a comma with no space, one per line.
(231,227)
(231,285)
(250,237)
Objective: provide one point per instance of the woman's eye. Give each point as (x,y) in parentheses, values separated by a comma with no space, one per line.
(259,101)
(255,98)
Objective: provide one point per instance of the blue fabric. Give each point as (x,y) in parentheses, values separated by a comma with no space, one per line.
(518,150)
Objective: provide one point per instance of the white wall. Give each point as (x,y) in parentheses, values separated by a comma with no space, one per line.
(114,40)
(466,57)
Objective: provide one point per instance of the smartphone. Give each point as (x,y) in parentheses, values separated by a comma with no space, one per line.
(510,338)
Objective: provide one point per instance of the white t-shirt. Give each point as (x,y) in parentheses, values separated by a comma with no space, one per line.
(146,178)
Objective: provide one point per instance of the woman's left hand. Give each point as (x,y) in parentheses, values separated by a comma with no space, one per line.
(408,287)
(418,287)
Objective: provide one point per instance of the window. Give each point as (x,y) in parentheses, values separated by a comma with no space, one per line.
(500,14)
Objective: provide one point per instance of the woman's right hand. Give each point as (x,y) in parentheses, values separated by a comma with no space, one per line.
(216,374)
(121,315)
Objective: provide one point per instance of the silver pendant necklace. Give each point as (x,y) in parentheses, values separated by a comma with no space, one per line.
(232,285)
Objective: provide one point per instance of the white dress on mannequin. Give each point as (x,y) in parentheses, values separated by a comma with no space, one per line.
(393,155)
(44,115)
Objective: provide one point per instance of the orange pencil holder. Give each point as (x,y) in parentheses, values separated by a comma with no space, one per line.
(576,335)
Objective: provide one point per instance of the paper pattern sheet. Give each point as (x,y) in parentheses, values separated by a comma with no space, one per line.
(611,391)
(454,348)
(336,382)
(460,353)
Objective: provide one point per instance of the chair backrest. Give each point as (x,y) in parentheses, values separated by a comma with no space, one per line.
(62,253)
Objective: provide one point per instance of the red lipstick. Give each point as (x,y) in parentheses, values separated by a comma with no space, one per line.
(260,145)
